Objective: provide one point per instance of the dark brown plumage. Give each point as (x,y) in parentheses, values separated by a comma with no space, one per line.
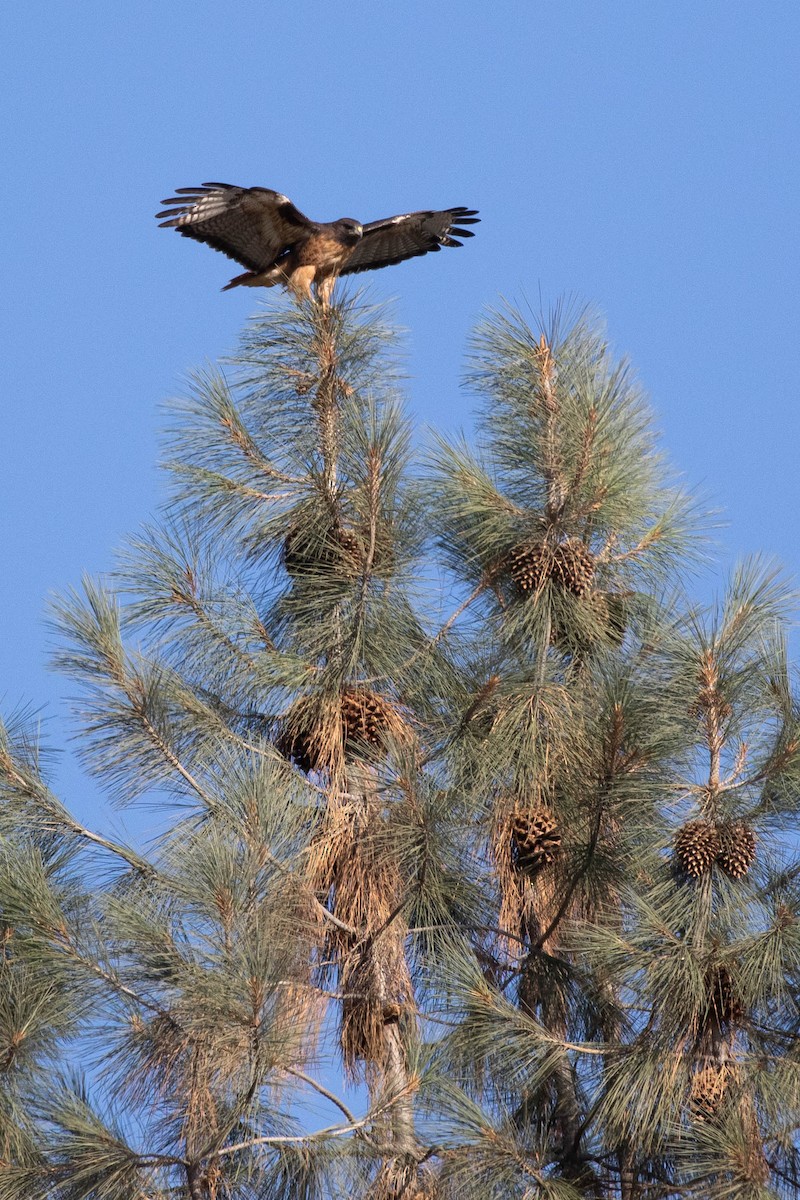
(263,231)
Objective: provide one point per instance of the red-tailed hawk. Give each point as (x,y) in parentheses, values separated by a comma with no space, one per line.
(264,231)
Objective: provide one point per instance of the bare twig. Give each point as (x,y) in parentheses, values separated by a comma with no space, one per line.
(323,1091)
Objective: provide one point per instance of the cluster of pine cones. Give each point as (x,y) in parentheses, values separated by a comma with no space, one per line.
(699,844)
(365,718)
(570,564)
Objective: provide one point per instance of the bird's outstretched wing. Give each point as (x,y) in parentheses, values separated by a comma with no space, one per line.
(396,238)
(254,226)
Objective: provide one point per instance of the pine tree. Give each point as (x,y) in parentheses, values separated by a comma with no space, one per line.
(258,661)
(493,906)
(626,761)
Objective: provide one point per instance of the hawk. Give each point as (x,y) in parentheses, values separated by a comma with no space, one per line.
(263,231)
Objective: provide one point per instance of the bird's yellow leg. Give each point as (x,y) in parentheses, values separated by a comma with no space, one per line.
(325,290)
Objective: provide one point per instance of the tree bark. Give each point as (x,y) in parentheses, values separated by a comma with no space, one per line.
(194,1179)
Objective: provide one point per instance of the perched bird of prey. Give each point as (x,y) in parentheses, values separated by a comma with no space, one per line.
(264,231)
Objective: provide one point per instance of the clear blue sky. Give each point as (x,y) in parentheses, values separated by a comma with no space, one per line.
(639,154)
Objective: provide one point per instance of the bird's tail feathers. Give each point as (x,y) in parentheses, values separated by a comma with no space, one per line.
(250,279)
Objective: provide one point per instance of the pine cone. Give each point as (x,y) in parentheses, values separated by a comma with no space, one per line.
(308,551)
(529,566)
(573,566)
(724,1005)
(697,844)
(535,840)
(365,716)
(611,615)
(737,849)
(298,745)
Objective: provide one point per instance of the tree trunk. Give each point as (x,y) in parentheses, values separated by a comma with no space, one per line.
(194,1178)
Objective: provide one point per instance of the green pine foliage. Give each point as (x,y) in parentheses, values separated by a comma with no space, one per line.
(495,905)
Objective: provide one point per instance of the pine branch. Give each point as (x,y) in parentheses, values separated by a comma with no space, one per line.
(31,788)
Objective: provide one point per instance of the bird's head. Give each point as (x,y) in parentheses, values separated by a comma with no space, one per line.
(349,230)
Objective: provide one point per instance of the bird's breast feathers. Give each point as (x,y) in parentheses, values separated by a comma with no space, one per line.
(323,250)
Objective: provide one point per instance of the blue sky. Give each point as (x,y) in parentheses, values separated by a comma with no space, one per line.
(639,155)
